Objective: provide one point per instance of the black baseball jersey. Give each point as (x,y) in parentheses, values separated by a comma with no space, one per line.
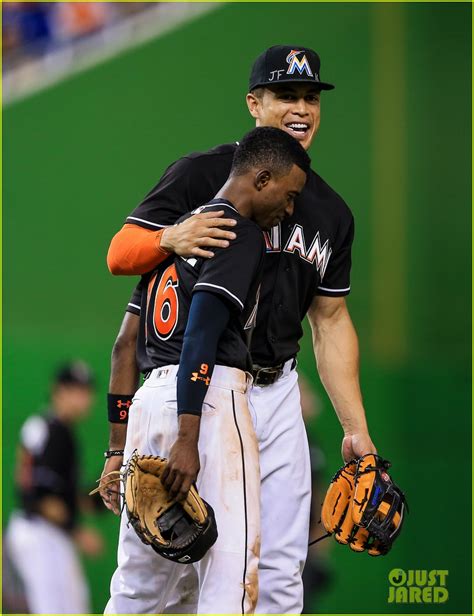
(233,273)
(307,254)
(50,465)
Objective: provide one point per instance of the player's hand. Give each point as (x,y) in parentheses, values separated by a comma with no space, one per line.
(182,468)
(356,445)
(110,493)
(188,238)
(89,541)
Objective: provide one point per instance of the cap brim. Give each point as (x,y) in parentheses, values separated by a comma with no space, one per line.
(320,85)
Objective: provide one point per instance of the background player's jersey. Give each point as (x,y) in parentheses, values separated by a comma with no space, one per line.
(49,465)
(233,273)
(308,254)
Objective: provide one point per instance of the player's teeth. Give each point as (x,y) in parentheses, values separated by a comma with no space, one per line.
(298,126)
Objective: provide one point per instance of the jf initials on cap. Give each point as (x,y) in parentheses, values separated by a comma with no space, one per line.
(286,64)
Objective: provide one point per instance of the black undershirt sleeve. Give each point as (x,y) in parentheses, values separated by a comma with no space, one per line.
(208,316)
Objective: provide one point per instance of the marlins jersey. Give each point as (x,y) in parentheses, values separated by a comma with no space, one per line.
(166,293)
(49,465)
(308,254)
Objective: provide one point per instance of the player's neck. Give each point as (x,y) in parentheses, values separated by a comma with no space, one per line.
(236,190)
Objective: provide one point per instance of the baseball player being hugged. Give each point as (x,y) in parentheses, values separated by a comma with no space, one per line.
(195,317)
(306,270)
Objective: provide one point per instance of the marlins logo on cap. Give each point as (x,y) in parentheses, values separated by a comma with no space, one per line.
(287,64)
(296,64)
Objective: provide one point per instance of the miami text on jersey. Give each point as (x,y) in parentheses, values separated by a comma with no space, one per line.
(316,253)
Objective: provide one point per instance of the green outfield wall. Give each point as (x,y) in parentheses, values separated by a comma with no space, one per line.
(395,142)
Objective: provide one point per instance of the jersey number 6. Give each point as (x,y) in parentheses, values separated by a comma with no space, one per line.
(165,310)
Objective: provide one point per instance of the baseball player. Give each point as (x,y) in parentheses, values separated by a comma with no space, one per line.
(41,538)
(306,271)
(192,408)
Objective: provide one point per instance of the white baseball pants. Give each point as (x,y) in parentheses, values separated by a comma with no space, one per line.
(46,560)
(229,480)
(285,500)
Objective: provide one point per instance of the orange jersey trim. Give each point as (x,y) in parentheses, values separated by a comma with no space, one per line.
(135,250)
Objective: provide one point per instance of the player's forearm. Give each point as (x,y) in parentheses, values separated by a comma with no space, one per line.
(208,317)
(124,379)
(124,373)
(134,250)
(336,351)
(117,436)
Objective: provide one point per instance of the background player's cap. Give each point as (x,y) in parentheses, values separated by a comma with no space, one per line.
(286,64)
(75,373)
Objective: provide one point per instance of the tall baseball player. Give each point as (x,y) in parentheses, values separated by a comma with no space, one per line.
(42,537)
(306,271)
(192,408)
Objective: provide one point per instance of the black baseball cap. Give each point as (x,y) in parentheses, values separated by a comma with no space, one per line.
(287,64)
(75,373)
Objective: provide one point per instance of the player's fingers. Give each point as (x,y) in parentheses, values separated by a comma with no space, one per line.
(175,488)
(219,233)
(115,507)
(109,495)
(165,476)
(113,500)
(199,252)
(210,214)
(184,489)
(212,221)
(210,241)
(108,505)
(107,502)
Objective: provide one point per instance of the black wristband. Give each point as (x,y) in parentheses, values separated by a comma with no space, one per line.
(118,406)
(113,452)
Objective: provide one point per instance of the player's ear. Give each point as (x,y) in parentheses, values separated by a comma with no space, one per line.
(253,103)
(262,178)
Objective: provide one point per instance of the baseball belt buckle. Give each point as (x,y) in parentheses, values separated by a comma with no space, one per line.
(262,377)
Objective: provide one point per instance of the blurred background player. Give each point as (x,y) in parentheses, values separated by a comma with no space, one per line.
(43,535)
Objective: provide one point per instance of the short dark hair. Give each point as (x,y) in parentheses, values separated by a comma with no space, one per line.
(74,373)
(271,147)
(258,92)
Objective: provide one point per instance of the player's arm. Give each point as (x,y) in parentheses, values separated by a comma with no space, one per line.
(136,250)
(124,375)
(198,357)
(39,495)
(336,350)
(123,383)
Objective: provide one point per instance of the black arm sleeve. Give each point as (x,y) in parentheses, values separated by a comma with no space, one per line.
(208,316)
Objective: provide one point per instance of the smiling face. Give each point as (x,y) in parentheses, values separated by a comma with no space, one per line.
(294,108)
(275,196)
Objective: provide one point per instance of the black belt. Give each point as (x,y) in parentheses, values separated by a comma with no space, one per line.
(267,376)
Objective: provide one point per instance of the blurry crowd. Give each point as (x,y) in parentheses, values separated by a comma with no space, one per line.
(30,29)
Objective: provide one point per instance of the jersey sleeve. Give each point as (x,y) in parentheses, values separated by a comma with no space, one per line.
(134,303)
(177,192)
(34,435)
(231,271)
(336,281)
